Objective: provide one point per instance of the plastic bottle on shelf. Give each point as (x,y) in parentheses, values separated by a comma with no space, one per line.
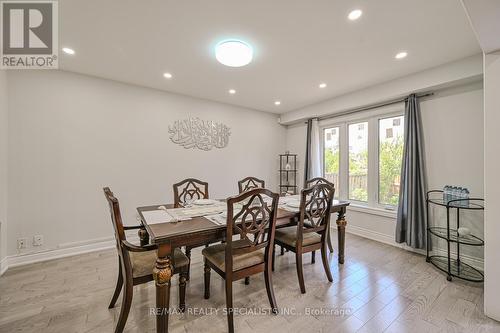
(446,192)
(466,194)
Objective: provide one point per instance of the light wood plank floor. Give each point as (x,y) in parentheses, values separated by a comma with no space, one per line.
(379,289)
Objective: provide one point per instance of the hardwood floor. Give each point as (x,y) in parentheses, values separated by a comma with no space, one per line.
(380,288)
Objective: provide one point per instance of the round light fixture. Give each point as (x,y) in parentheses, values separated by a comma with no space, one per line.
(167,75)
(322,85)
(355,14)
(233,53)
(69,51)
(401,55)
(277,103)
(232,91)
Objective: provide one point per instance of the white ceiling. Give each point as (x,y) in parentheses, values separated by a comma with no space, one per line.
(298,44)
(485,18)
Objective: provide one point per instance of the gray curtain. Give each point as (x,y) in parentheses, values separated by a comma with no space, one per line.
(313,165)
(308,150)
(410,227)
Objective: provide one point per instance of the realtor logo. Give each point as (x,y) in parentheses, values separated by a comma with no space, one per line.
(28,35)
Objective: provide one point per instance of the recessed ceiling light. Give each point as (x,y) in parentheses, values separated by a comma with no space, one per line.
(232,91)
(233,53)
(355,14)
(67,50)
(277,103)
(401,55)
(167,75)
(322,85)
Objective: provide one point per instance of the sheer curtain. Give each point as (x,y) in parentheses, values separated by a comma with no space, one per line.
(410,225)
(313,165)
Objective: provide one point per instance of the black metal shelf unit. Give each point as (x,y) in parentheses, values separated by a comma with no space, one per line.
(454,267)
(288,175)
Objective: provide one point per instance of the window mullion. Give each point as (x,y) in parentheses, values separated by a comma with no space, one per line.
(344,164)
(373,162)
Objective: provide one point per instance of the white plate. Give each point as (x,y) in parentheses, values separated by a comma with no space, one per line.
(204,202)
(293,204)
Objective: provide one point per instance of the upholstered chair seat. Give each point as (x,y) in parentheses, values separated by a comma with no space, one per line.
(216,254)
(288,236)
(143,262)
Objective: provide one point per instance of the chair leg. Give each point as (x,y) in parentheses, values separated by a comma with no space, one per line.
(325,263)
(118,288)
(126,303)
(269,288)
(274,255)
(329,239)
(207,279)
(182,291)
(300,273)
(188,254)
(313,257)
(282,251)
(229,305)
(247,280)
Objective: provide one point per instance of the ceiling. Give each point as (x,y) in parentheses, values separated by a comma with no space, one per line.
(485,18)
(297,45)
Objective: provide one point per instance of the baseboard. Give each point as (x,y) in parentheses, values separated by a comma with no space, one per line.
(475,262)
(62,251)
(3,266)
(370,234)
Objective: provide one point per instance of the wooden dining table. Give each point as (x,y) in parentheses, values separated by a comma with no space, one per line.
(200,230)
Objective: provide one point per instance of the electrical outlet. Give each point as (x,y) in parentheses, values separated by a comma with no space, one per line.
(38,240)
(22,243)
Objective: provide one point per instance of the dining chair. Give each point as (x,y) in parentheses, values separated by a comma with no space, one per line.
(318,180)
(249,183)
(252,216)
(246,184)
(311,231)
(185,191)
(310,183)
(135,264)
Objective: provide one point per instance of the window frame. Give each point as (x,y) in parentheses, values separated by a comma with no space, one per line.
(372,117)
(322,151)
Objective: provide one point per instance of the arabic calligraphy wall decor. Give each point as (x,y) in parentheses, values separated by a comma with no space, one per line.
(202,134)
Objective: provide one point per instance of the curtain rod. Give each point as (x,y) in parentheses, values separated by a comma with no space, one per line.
(370,107)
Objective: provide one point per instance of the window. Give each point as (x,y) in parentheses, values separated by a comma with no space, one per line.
(358,161)
(363,158)
(390,159)
(331,160)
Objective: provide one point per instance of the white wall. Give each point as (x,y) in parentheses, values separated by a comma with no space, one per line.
(453,131)
(492,183)
(467,69)
(70,135)
(3,167)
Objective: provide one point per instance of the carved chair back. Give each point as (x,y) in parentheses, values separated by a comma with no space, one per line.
(318,180)
(249,183)
(252,216)
(189,189)
(116,219)
(315,208)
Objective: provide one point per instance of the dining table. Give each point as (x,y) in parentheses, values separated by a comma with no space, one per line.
(204,230)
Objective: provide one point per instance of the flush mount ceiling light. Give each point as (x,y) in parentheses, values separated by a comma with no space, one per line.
(322,85)
(232,91)
(167,75)
(355,14)
(277,103)
(69,51)
(401,55)
(233,53)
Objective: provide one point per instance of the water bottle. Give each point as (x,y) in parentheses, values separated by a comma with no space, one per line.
(446,193)
(466,196)
(454,194)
